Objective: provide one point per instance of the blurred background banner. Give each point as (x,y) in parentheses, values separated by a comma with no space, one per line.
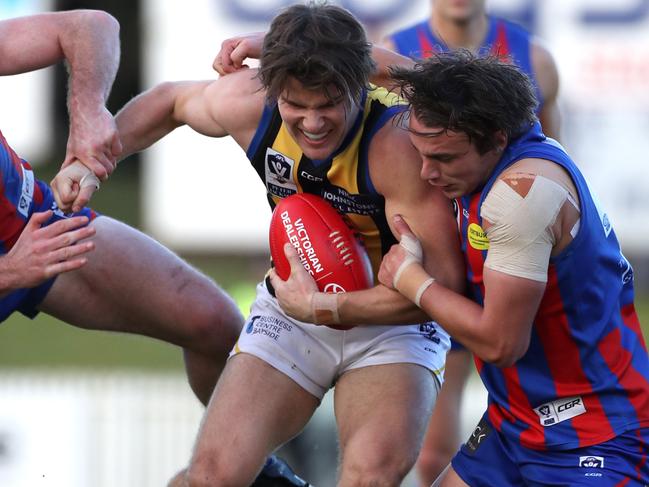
(80,408)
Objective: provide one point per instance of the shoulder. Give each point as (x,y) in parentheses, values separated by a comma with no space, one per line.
(522,174)
(236,100)
(393,161)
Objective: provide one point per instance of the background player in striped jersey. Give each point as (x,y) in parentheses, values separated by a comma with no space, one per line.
(309,122)
(553,327)
(465,24)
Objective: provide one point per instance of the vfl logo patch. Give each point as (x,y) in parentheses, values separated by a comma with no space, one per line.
(479,435)
(591,462)
(279,174)
(560,410)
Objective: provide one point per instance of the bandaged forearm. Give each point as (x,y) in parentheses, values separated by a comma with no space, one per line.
(411,279)
(324,309)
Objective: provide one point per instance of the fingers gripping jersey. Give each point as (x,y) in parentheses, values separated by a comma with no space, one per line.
(18,194)
(585,376)
(504,39)
(343,179)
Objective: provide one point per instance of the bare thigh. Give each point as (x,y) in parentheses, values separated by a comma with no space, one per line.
(254,409)
(382,412)
(133,284)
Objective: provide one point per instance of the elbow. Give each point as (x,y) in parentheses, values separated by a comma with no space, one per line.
(504,353)
(100,20)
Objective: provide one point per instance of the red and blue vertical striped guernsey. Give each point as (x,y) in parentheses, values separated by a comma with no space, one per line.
(19,193)
(504,39)
(586,346)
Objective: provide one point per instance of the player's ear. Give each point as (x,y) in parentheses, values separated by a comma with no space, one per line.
(500,141)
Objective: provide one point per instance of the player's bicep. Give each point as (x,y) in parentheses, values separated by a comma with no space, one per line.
(510,306)
(197,105)
(436,227)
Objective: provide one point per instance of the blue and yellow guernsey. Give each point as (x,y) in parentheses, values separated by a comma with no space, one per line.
(343,179)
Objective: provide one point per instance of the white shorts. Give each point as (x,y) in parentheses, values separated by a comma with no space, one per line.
(315,356)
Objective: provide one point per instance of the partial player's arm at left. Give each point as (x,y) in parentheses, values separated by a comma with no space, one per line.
(88,40)
(547,76)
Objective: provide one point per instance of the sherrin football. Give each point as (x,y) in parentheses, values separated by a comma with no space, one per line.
(326,245)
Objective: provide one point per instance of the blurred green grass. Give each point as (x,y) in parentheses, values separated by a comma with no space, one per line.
(47,342)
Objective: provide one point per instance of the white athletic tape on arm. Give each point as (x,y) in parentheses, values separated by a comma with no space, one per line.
(411,279)
(414,253)
(521,237)
(324,309)
(89,180)
(422,289)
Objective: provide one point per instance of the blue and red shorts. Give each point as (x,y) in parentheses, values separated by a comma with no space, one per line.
(490,459)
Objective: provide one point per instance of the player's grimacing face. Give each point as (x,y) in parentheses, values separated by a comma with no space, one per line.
(450,160)
(459,10)
(317,123)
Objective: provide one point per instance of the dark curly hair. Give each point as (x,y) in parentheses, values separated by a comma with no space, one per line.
(478,96)
(320,45)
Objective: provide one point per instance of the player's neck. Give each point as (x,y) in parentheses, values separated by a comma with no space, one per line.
(469,34)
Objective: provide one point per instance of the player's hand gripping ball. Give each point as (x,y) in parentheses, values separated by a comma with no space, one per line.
(327,247)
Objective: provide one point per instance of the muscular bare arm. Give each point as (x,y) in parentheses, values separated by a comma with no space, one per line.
(384,57)
(88,40)
(228,106)
(394,168)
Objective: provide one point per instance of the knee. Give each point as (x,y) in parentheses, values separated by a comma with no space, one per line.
(433,459)
(375,471)
(432,462)
(210,472)
(215,320)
